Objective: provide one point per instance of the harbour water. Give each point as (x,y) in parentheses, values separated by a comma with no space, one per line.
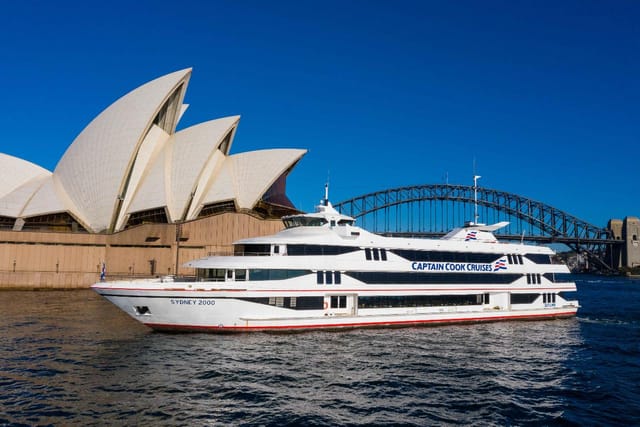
(71,358)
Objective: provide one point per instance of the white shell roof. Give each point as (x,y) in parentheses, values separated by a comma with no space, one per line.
(245,177)
(152,192)
(130,159)
(94,169)
(15,172)
(150,149)
(193,148)
(13,204)
(44,201)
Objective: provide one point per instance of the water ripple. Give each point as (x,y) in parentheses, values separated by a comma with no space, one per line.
(77,360)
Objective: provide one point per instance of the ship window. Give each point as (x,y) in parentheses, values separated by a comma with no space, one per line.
(337,278)
(241,275)
(214,274)
(262,274)
(558,277)
(345,222)
(523,298)
(383,254)
(510,259)
(229,274)
(303,221)
(539,258)
(376,255)
(320,278)
(294,250)
(276,249)
(252,249)
(520,261)
(442,256)
(328,277)
(401,278)
(297,303)
(417,301)
(338,301)
(367,254)
(309,303)
(485,299)
(534,278)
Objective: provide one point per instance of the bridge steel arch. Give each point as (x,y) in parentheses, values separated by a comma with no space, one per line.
(410,211)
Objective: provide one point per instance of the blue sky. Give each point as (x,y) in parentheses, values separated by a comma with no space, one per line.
(544,95)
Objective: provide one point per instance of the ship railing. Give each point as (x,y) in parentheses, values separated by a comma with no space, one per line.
(237,253)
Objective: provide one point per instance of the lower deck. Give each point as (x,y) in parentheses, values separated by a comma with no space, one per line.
(244,310)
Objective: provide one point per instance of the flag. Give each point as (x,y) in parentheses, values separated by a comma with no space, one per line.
(471,235)
(501,264)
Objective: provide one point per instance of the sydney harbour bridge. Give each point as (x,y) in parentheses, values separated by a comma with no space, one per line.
(433,210)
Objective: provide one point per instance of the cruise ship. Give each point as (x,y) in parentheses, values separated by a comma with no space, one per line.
(323,272)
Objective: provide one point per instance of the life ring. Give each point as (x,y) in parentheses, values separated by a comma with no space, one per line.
(326,305)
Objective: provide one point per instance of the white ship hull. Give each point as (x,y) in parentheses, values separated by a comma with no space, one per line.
(220,311)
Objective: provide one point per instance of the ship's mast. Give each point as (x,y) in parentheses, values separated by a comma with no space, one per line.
(326,195)
(475,198)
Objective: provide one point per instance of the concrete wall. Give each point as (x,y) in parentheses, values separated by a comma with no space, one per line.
(614,253)
(631,235)
(30,260)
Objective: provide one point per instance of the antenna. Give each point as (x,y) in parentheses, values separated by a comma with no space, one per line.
(326,194)
(475,197)
(326,189)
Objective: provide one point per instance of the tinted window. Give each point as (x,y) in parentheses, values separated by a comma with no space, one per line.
(441,256)
(376,277)
(523,298)
(539,258)
(418,301)
(296,303)
(252,249)
(262,274)
(294,250)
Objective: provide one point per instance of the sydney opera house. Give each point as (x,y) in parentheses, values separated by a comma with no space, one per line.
(137,196)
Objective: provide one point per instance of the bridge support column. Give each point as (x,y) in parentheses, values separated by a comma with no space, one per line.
(631,236)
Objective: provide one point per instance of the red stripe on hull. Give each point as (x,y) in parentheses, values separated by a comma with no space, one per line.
(407,323)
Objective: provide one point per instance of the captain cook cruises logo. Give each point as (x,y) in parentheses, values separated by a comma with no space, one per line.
(500,264)
(470,267)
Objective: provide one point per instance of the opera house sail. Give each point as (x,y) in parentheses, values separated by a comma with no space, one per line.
(132,167)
